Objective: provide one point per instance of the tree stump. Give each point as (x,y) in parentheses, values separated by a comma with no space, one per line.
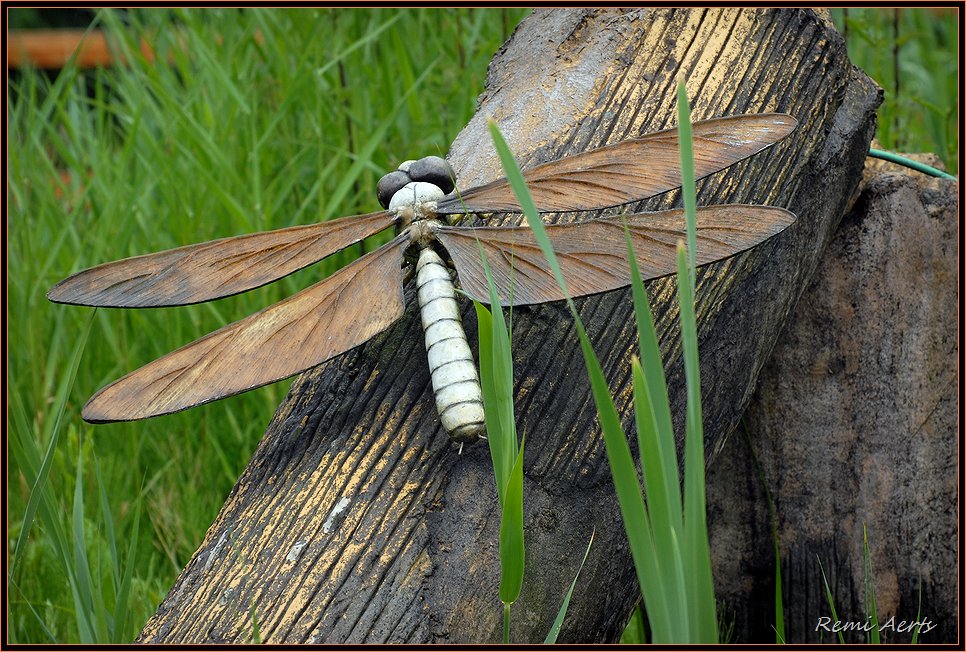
(357,520)
(854,424)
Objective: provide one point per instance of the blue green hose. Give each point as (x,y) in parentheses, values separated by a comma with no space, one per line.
(909,163)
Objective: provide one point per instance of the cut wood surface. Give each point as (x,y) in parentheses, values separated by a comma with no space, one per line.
(357,520)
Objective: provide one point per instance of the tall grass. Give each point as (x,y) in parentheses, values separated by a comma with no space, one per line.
(912,54)
(257,119)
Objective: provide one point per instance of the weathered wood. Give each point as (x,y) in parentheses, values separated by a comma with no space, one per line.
(358,521)
(854,425)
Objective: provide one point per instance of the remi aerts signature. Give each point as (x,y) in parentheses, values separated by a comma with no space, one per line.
(867,625)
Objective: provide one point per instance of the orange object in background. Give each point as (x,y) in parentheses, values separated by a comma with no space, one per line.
(52,49)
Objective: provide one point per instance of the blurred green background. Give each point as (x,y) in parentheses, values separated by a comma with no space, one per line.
(262,118)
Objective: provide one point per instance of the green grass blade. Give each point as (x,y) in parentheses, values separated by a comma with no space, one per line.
(83,597)
(660,610)
(562,612)
(779,600)
(663,502)
(697,554)
(519,186)
(366,39)
(502,363)
(506,624)
(686,148)
(635,632)
(108,523)
(107,621)
(696,550)
(658,452)
(484,320)
(53,437)
(657,403)
(831,601)
(44,504)
(206,58)
(915,632)
(511,527)
(496,379)
(40,621)
(512,551)
(122,604)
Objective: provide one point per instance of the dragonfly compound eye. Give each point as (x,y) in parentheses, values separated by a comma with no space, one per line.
(415,192)
(434,170)
(389,185)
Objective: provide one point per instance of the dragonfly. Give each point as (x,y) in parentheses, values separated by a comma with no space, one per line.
(421,203)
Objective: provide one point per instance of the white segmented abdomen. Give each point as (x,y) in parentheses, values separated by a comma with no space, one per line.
(456,384)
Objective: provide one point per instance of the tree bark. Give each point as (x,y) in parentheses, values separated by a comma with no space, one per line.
(854,427)
(358,521)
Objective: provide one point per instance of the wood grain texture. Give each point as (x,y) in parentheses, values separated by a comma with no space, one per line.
(357,521)
(216,269)
(352,305)
(631,170)
(593,254)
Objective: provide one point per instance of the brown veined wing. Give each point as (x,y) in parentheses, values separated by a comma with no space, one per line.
(628,171)
(341,312)
(593,254)
(216,269)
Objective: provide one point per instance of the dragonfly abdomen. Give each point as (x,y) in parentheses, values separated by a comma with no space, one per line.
(456,384)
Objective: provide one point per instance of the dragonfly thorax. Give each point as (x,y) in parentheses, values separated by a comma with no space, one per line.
(415,202)
(414,195)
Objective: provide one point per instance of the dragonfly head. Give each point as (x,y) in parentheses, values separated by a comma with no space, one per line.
(431,170)
(411,192)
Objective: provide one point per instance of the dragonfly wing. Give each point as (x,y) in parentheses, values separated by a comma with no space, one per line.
(628,171)
(211,270)
(341,312)
(593,254)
